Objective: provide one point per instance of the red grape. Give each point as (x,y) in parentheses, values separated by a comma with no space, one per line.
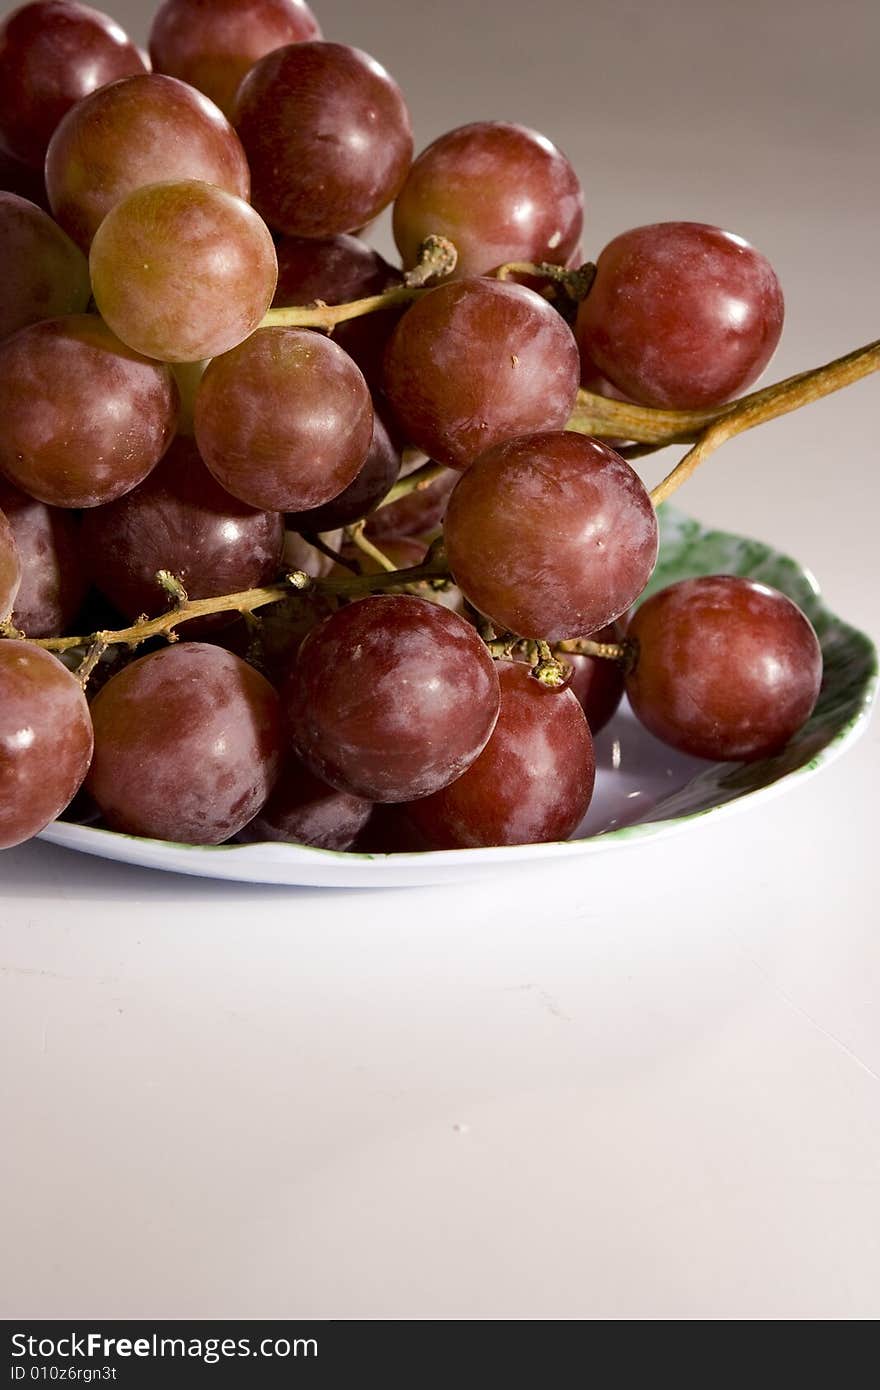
(500,192)
(337,270)
(478,361)
(45,275)
(681,315)
(144,130)
(327,135)
(45,740)
(180,519)
(86,417)
(532,782)
(52,54)
(10,567)
(53,583)
(285,420)
(183,271)
(376,477)
(391,698)
(551,535)
(303,810)
(596,681)
(725,668)
(187,745)
(212,44)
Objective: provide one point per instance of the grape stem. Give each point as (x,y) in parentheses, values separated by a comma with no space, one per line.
(597,415)
(327,316)
(577,283)
(585,646)
(357,537)
(769,404)
(245,602)
(416,481)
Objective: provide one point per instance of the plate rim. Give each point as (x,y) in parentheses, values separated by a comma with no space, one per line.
(96,840)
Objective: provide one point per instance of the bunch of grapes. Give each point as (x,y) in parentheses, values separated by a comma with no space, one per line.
(342,531)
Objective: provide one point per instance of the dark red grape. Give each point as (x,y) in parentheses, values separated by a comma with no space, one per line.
(10,567)
(500,192)
(327,136)
(334,269)
(376,477)
(180,519)
(418,513)
(551,535)
(52,54)
(144,130)
(45,740)
(303,810)
(337,270)
(391,698)
(532,782)
(22,180)
(187,745)
(285,420)
(212,44)
(183,271)
(86,418)
(476,362)
(681,315)
(596,681)
(725,668)
(53,583)
(45,275)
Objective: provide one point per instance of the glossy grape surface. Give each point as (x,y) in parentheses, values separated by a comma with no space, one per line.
(187,745)
(377,475)
(327,135)
(338,270)
(183,271)
(284,421)
(180,519)
(10,566)
(726,668)
(303,810)
(681,315)
(551,535)
(500,192)
(52,54)
(478,361)
(145,130)
(212,44)
(86,417)
(45,740)
(597,682)
(53,584)
(391,698)
(532,782)
(44,274)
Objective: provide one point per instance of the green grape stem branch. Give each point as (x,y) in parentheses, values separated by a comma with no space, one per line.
(706,430)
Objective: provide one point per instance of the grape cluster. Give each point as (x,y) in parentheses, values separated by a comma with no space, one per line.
(393,571)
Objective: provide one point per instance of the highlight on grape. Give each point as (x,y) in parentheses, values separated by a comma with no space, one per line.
(300,545)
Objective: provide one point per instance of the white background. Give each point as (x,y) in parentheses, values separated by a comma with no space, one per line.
(645,1087)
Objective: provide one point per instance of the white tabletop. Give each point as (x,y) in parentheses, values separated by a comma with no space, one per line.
(660,1100)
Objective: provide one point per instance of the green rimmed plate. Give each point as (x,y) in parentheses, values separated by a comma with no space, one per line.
(643,788)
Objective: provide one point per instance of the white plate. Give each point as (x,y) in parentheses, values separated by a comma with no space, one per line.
(643,788)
